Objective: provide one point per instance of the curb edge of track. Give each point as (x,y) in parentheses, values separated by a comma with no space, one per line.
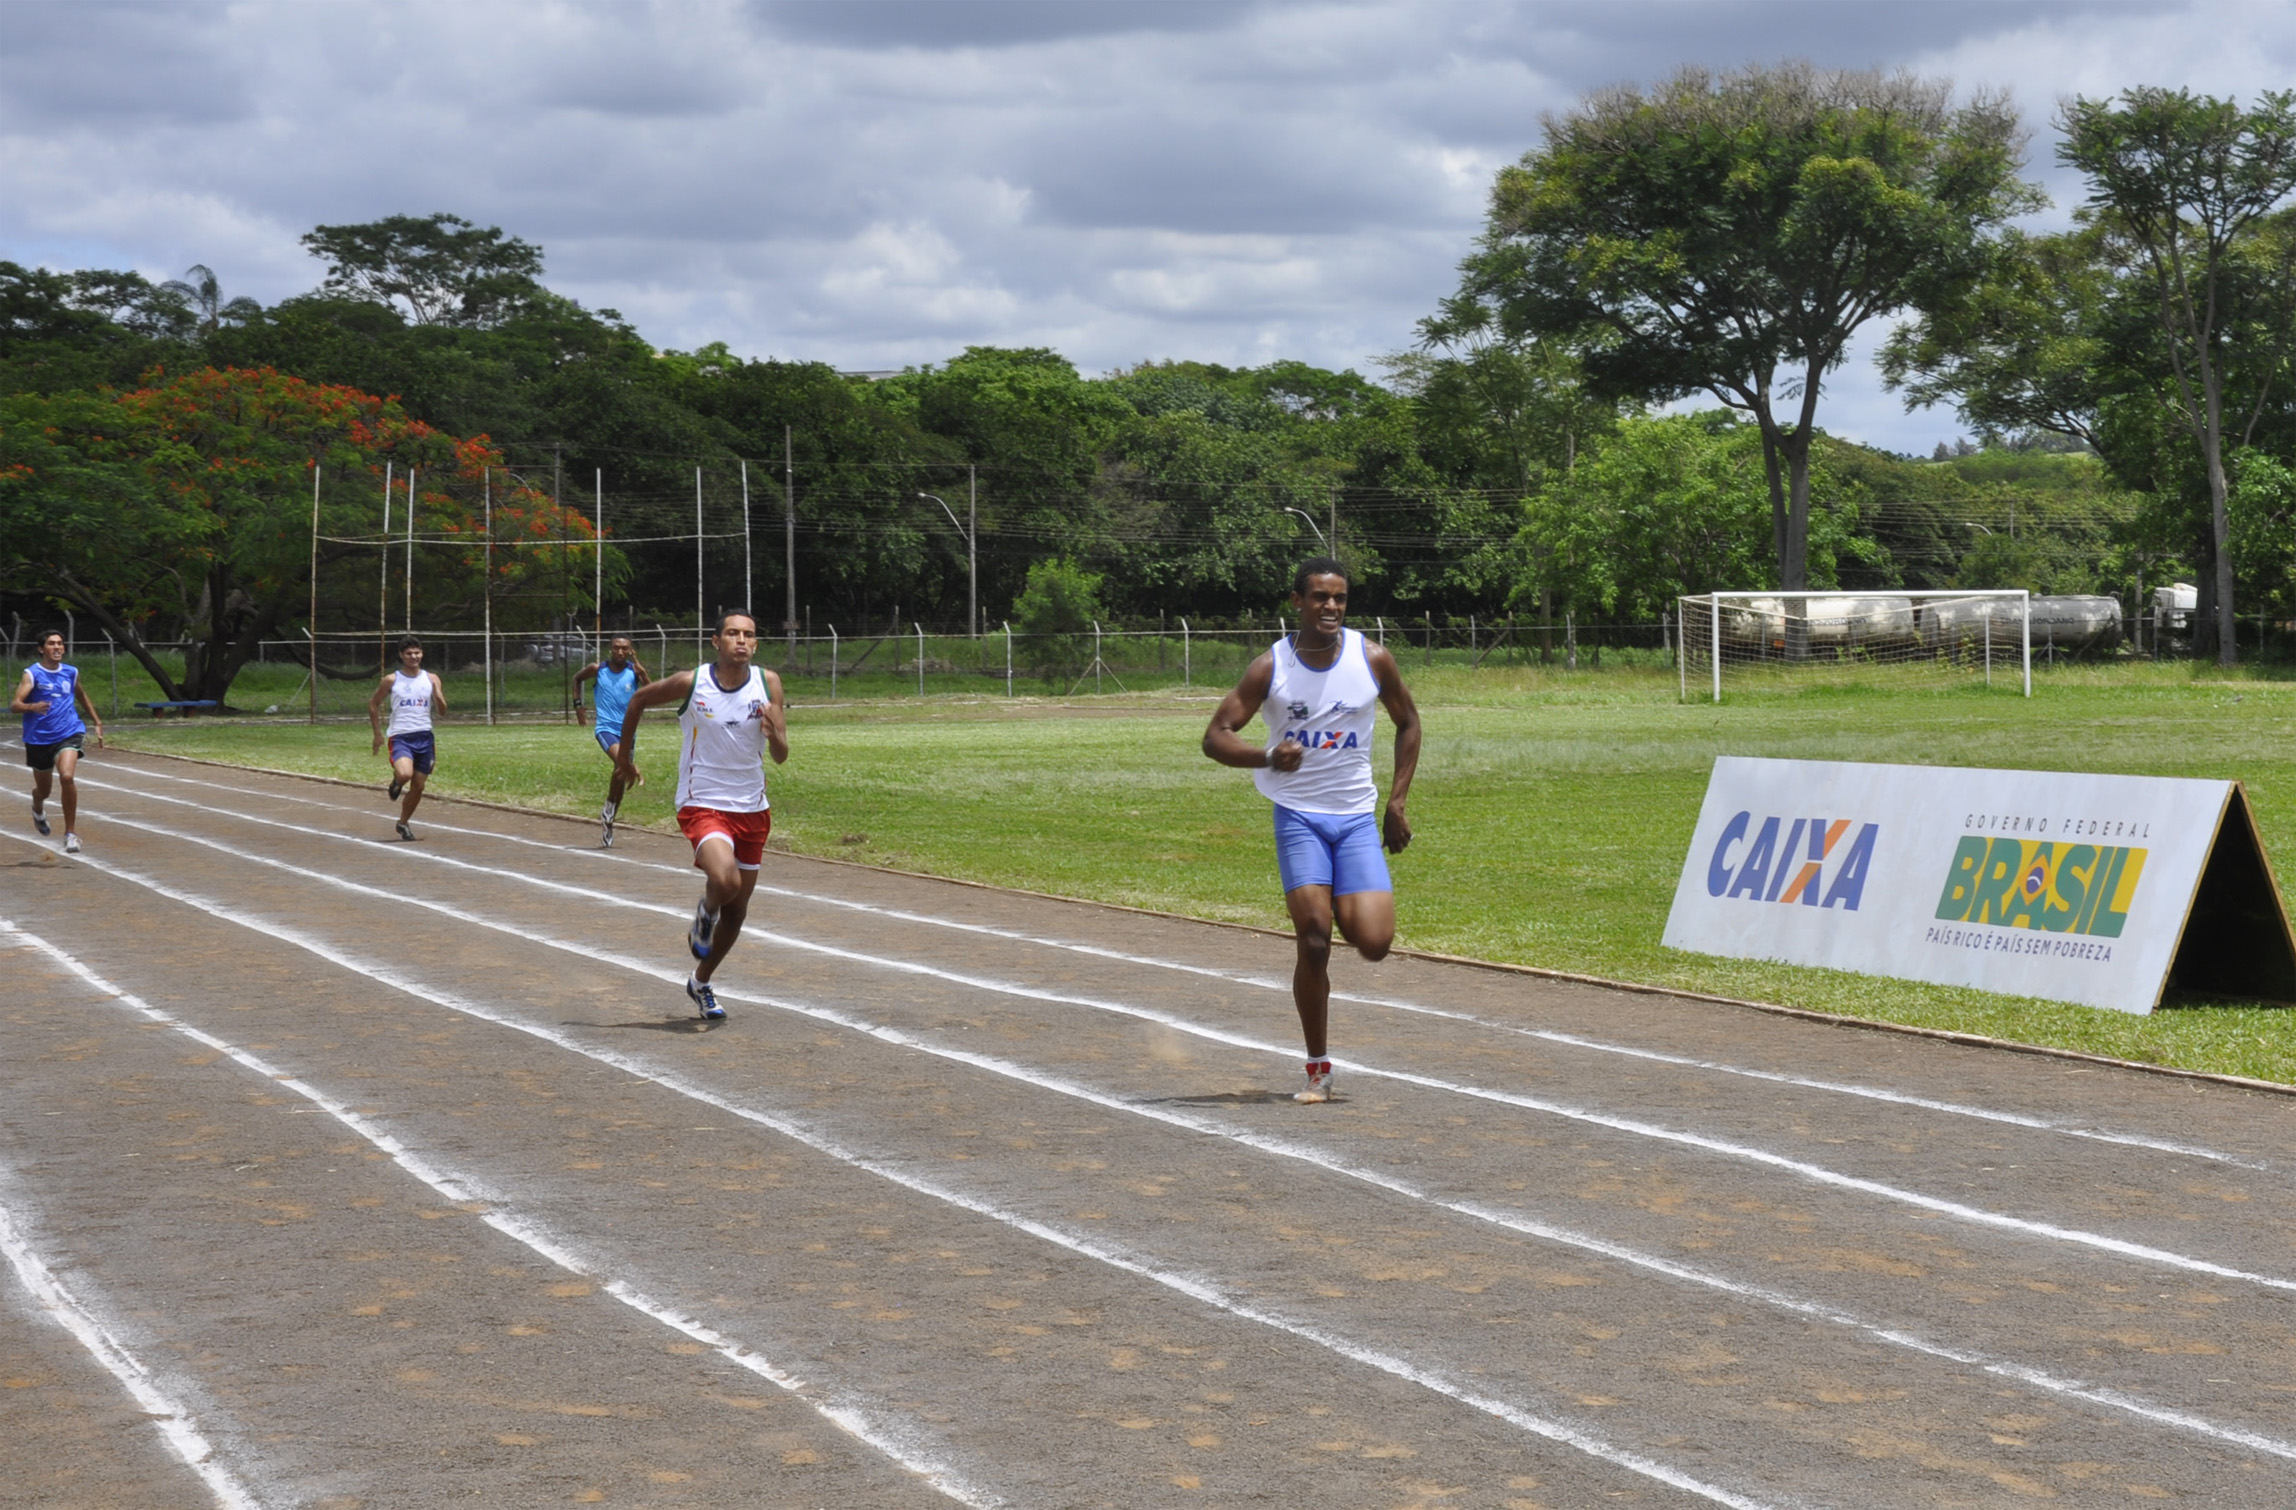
(1537,972)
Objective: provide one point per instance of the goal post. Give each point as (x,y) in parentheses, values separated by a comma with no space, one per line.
(1937,636)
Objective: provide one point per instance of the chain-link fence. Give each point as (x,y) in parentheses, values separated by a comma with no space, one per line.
(531,674)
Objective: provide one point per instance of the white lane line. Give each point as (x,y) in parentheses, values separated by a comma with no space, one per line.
(2004,1368)
(1203,1290)
(1745,1153)
(158,1404)
(851,1417)
(1269,983)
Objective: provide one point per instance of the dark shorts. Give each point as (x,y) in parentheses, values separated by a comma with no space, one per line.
(422,749)
(43,757)
(608,738)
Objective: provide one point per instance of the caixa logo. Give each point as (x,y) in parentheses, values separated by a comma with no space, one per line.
(1809,862)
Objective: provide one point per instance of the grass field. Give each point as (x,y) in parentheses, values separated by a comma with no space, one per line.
(1552,809)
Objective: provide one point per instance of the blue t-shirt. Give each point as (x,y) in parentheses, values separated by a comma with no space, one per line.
(62,720)
(613,697)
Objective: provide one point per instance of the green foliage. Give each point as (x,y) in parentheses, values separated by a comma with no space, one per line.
(1057,610)
(1718,231)
(445,270)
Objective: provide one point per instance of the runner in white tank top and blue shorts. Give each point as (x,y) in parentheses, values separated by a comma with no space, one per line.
(730,715)
(1315,691)
(414,695)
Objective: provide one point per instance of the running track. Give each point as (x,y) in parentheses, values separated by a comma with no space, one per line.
(335,1171)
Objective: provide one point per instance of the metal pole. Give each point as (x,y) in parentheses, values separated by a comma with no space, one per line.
(833,663)
(1714,645)
(920,656)
(1988,644)
(1187,659)
(1095,657)
(748,565)
(701,603)
(1008,657)
(972,553)
(486,656)
(314,621)
(411,476)
(789,536)
(1682,661)
(383,586)
(2025,616)
(598,565)
(112,649)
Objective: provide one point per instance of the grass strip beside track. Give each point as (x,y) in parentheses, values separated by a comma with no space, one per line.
(1552,811)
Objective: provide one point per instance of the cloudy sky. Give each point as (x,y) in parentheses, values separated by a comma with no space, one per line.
(880,182)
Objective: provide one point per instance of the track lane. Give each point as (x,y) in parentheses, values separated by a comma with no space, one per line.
(1610,1403)
(958,1006)
(1408,1404)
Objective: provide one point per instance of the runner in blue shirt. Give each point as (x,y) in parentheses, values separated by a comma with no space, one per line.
(51,699)
(619,676)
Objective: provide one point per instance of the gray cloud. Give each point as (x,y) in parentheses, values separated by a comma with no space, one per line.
(875,184)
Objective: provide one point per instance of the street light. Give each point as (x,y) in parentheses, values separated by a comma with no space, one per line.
(1311,524)
(1975,526)
(972,566)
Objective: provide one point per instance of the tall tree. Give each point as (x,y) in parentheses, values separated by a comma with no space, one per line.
(1730,234)
(445,270)
(2184,178)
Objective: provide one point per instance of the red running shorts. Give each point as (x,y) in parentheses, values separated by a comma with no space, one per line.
(744,831)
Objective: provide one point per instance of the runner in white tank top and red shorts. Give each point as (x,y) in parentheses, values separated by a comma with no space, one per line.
(730,715)
(1315,689)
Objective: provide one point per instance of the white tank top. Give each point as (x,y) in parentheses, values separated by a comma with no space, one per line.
(410,703)
(1330,713)
(721,754)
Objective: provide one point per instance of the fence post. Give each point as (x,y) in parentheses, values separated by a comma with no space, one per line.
(833,663)
(1187,663)
(1095,657)
(1381,621)
(112,648)
(1714,646)
(1471,645)
(1570,640)
(920,656)
(1008,657)
(312,641)
(1682,652)
(2025,613)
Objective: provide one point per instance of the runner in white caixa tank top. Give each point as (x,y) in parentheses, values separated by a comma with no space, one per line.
(730,717)
(1315,689)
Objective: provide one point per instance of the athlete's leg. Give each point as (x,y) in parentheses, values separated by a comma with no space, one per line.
(1366,919)
(1310,908)
(414,780)
(67,762)
(731,911)
(614,783)
(42,782)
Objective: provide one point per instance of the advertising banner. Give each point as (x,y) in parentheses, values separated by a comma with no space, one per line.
(2101,890)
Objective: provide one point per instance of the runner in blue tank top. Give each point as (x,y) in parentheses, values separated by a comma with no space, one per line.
(50,697)
(620,675)
(1315,689)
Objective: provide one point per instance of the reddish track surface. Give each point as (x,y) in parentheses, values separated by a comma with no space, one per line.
(336,1171)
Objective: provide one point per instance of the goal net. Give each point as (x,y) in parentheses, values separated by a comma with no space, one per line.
(1792,638)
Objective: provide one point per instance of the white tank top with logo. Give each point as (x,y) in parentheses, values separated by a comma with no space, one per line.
(1328,712)
(410,703)
(721,751)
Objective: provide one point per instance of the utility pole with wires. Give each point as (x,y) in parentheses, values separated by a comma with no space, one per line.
(411,495)
(598,567)
(383,584)
(748,568)
(701,600)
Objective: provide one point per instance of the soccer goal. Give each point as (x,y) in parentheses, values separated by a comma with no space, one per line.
(1934,635)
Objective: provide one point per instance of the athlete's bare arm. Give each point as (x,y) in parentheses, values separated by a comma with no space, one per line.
(88,708)
(776,716)
(669,689)
(437,692)
(582,714)
(1223,740)
(20,702)
(375,709)
(1394,828)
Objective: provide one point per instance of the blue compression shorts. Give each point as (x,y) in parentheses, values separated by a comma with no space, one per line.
(422,749)
(1338,850)
(608,738)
